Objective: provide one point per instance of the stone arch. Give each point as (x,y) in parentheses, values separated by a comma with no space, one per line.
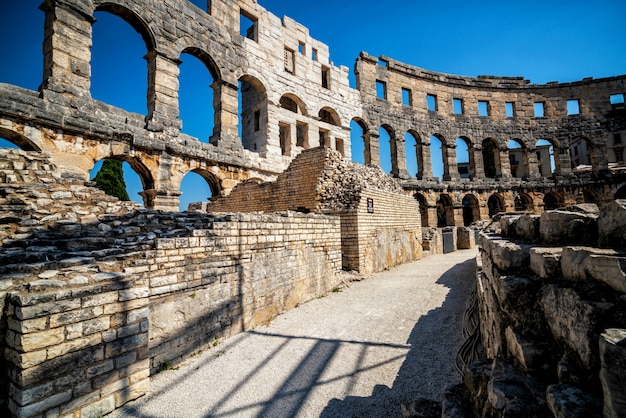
(471,209)
(423,208)
(293,103)
(465,157)
(148,33)
(620,193)
(330,116)
(495,204)
(438,154)
(360,143)
(417,156)
(143,172)
(518,158)
(491,158)
(206,59)
(552,201)
(253,115)
(445,210)
(523,202)
(387,149)
(20,140)
(582,153)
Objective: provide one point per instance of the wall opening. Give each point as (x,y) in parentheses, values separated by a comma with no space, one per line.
(445,211)
(253,114)
(471,209)
(423,208)
(413,150)
(407,97)
(431,102)
(546,162)
(10,139)
(119,75)
(509,108)
(523,203)
(285,138)
(518,158)
(580,151)
(495,204)
(491,158)
(620,193)
(437,157)
(248,25)
(358,129)
(573,107)
(457,106)
(196,98)
(483,108)
(552,201)
(136,177)
(197,186)
(385,135)
(381,89)
(463,158)
(539,110)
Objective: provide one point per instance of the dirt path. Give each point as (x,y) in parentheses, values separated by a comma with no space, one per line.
(360,352)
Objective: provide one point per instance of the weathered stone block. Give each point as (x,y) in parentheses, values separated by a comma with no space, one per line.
(573,228)
(567,401)
(575,261)
(610,270)
(545,262)
(527,354)
(612,225)
(613,371)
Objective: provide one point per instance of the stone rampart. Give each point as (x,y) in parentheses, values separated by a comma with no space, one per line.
(96,302)
(552,318)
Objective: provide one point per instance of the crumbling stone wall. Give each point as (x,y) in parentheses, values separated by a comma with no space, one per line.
(380,225)
(552,313)
(97,294)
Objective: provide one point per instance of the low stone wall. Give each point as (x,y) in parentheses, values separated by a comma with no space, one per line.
(97,297)
(552,317)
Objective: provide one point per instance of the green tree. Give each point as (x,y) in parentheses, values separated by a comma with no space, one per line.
(110,179)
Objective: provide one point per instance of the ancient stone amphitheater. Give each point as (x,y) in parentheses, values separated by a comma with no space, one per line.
(93,287)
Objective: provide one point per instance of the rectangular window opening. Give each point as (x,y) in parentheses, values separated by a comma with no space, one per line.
(381,89)
(431,102)
(457,105)
(248,25)
(314,54)
(325,77)
(483,108)
(539,109)
(257,120)
(510,109)
(301,48)
(407,98)
(301,134)
(617,138)
(289,61)
(573,107)
(617,101)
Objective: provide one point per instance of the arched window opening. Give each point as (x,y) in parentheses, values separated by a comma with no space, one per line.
(135,178)
(445,211)
(423,208)
(621,193)
(118,75)
(545,158)
(551,201)
(495,204)
(197,186)
(358,129)
(196,97)
(518,158)
(9,139)
(471,209)
(581,152)
(329,116)
(289,104)
(463,158)
(413,151)
(436,157)
(253,114)
(384,141)
(523,203)
(491,158)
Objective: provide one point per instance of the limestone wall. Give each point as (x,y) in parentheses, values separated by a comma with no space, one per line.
(95,301)
(380,226)
(552,312)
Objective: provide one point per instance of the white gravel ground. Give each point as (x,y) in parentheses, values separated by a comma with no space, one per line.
(361,352)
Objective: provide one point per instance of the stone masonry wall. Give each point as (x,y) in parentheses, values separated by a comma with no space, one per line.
(551,298)
(321,181)
(94,303)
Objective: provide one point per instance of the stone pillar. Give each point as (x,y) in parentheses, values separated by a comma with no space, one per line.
(398,158)
(372,148)
(432,217)
(163,112)
(450,169)
(426,163)
(530,158)
(564,165)
(599,156)
(226,107)
(478,166)
(505,164)
(165,200)
(67,49)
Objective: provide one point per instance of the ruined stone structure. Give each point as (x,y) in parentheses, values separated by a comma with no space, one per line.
(99,293)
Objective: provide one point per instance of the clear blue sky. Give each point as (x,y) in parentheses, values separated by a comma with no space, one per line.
(540,40)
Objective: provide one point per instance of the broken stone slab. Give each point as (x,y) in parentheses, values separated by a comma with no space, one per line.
(612,225)
(573,228)
(574,261)
(506,254)
(613,371)
(527,354)
(608,269)
(513,393)
(567,401)
(545,262)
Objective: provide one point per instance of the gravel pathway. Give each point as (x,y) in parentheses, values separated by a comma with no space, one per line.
(360,352)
